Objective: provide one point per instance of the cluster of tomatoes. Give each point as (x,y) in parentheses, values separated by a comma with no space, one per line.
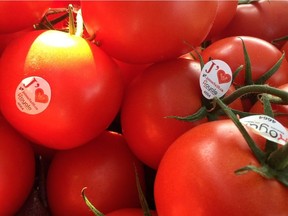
(91,90)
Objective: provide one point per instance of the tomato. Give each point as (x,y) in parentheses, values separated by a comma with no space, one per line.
(196,176)
(19,15)
(148,31)
(262,19)
(58,89)
(17,169)
(130,212)
(163,89)
(225,13)
(277,108)
(230,50)
(105,166)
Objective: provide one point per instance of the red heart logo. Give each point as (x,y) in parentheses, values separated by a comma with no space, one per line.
(40,96)
(223,77)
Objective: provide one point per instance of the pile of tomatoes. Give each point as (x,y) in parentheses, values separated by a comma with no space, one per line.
(94,92)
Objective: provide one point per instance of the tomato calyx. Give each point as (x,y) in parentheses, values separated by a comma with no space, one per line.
(63,14)
(273,160)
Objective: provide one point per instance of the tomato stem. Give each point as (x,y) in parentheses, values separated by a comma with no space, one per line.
(89,204)
(282,95)
(72,28)
(259,154)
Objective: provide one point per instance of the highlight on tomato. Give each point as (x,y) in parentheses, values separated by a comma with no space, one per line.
(148,31)
(58,89)
(201,174)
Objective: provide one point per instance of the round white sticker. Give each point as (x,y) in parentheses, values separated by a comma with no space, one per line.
(33,95)
(267,127)
(215,79)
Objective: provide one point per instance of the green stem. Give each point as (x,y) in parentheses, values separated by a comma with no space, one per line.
(248,70)
(256,89)
(259,154)
(89,204)
(279,158)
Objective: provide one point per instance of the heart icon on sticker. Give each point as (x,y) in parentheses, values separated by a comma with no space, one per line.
(40,96)
(223,77)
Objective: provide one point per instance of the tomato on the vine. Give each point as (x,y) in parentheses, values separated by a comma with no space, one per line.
(17,169)
(58,89)
(262,19)
(197,176)
(280,110)
(148,31)
(106,166)
(164,89)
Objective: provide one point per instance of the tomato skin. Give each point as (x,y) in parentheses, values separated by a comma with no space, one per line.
(163,89)
(196,175)
(130,212)
(105,166)
(86,88)
(230,50)
(17,169)
(283,119)
(225,13)
(19,15)
(148,31)
(262,19)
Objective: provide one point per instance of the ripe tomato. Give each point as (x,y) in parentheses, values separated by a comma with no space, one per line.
(58,89)
(148,31)
(105,166)
(277,108)
(130,212)
(19,15)
(164,89)
(225,13)
(17,169)
(230,50)
(262,19)
(196,176)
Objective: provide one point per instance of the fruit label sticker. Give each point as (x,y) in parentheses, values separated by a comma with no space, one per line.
(267,127)
(215,79)
(33,95)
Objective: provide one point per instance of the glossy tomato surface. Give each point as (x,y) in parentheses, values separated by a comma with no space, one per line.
(263,55)
(262,19)
(105,166)
(164,89)
(148,31)
(19,15)
(58,89)
(197,176)
(17,169)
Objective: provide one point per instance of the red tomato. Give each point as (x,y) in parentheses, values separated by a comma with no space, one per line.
(130,212)
(230,50)
(148,31)
(17,169)
(263,19)
(164,89)
(58,89)
(19,15)
(277,108)
(196,176)
(105,166)
(225,13)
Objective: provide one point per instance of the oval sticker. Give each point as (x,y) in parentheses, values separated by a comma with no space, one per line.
(33,95)
(215,79)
